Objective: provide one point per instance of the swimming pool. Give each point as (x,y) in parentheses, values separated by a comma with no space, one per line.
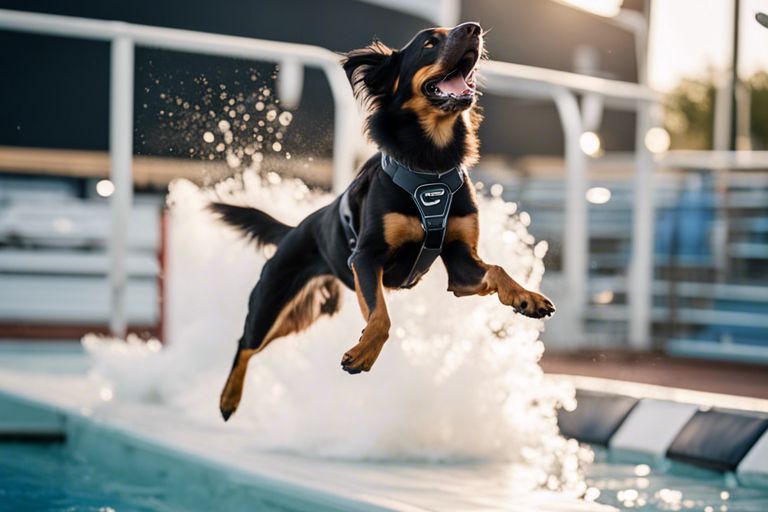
(142,458)
(58,476)
(55,476)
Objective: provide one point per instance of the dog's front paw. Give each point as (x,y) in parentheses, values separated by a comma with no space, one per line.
(361,357)
(532,304)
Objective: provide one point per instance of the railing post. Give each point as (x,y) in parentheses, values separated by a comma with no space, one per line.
(575,242)
(641,264)
(121,161)
(346,133)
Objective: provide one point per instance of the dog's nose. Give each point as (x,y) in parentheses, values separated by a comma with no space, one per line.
(468,29)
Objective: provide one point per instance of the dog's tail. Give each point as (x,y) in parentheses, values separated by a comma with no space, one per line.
(254,224)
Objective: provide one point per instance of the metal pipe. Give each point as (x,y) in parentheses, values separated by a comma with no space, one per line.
(734,121)
(168,38)
(575,235)
(504,76)
(121,153)
(716,160)
(639,296)
(347,138)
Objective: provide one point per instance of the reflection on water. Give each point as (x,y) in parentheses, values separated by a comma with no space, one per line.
(667,486)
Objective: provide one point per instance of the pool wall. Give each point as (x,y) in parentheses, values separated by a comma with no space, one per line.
(721,436)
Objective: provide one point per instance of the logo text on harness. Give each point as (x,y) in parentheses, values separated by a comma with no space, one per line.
(426,197)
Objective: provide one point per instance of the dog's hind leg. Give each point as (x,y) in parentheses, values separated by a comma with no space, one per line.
(295,289)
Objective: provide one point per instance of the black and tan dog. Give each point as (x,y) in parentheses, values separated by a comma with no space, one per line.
(422,115)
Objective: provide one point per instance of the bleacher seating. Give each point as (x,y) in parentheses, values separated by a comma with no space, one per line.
(711,253)
(54,259)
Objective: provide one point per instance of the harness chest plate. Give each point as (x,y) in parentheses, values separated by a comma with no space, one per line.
(432,193)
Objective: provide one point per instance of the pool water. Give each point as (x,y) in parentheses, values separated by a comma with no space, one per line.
(662,486)
(52,477)
(42,477)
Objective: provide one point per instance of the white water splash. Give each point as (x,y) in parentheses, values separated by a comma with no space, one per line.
(459,378)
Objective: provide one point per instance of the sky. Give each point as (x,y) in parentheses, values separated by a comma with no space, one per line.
(690,36)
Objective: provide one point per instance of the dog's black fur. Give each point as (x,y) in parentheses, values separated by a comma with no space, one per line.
(422,126)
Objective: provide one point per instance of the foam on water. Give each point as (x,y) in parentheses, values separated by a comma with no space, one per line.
(458,379)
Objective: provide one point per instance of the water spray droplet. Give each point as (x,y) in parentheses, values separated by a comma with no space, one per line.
(232,160)
(285,118)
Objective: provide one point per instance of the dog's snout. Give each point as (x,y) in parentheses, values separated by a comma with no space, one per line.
(467,30)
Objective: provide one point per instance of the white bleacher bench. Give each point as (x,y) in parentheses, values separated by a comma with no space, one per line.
(54,262)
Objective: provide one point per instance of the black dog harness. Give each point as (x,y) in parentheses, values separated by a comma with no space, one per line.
(432,192)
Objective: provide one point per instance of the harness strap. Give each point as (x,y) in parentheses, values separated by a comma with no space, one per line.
(433,195)
(348,224)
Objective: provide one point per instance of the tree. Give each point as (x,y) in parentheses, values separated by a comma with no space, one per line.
(758,88)
(689,110)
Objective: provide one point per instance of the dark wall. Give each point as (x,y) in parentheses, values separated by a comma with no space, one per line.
(545,34)
(54,92)
(57,92)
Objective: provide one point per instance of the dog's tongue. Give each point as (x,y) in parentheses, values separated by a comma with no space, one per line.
(454,84)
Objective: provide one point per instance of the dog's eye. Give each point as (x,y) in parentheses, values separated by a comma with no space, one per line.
(431,42)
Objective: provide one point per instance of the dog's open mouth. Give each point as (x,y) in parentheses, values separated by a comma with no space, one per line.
(457,84)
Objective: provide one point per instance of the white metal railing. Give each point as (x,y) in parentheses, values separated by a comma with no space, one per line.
(728,160)
(501,78)
(562,88)
(124,37)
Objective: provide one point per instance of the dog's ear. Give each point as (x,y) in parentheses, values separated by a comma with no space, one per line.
(372,71)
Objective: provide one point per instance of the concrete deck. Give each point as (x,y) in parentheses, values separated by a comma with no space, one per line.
(662,370)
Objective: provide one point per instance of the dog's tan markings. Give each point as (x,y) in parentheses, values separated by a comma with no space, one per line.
(397,83)
(437,125)
(471,119)
(305,307)
(320,295)
(233,389)
(361,357)
(465,228)
(359,293)
(400,229)
(511,293)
